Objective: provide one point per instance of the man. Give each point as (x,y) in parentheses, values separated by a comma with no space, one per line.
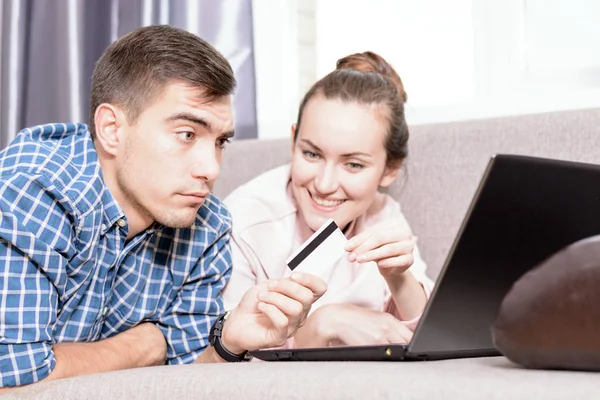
(113,252)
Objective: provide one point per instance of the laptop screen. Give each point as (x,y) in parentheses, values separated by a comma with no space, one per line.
(525,210)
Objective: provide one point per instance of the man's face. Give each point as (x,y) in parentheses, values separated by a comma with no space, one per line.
(169,159)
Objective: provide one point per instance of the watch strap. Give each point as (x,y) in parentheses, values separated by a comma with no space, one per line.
(215,341)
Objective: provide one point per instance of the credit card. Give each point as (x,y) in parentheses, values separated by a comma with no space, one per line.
(320,252)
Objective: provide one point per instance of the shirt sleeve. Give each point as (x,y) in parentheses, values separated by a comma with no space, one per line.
(186,324)
(243,276)
(35,244)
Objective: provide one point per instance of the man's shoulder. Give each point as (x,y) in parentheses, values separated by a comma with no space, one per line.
(59,157)
(52,147)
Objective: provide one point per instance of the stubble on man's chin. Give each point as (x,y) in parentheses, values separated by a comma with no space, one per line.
(168,219)
(177,221)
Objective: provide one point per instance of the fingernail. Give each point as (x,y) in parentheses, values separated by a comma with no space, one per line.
(352,257)
(296,276)
(272,284)
(361,258)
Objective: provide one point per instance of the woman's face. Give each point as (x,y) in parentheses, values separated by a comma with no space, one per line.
(339,160)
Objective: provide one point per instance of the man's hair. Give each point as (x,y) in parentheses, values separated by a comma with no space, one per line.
(136,68)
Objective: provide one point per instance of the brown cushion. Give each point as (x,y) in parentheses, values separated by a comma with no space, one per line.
(551,316)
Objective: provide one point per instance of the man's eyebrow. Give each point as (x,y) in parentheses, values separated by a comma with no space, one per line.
(347,155)
(190,118)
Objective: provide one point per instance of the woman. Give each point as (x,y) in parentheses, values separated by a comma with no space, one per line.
(349,142)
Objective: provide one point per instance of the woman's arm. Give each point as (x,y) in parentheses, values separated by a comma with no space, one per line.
(352,325)
(391,245)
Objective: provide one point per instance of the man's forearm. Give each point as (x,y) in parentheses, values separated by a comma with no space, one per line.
(141,346)
(209,356)
(229,339)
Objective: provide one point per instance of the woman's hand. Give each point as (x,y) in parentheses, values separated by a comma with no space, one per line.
(348,324)
(390,244)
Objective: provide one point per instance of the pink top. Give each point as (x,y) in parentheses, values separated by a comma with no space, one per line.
(266,231)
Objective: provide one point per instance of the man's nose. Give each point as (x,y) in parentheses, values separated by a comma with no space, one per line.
(207,166)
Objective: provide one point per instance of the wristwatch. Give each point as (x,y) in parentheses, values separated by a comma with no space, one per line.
(214,338)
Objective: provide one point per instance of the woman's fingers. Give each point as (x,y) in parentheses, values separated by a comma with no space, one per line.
(389,251)
(375,240)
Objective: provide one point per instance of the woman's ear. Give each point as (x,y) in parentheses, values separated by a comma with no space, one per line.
(293,131)
(389,175)
(107,120)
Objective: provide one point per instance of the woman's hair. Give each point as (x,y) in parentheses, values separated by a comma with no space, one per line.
(366,78)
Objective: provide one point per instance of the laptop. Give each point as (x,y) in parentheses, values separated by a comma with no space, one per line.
(524,210)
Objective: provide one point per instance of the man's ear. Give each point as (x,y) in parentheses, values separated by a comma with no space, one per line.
(389,175)
(108,120)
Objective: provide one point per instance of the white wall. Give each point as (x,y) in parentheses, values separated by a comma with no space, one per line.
(276,65)
(458,59)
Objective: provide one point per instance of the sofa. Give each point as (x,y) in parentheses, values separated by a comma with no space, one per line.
(446,162)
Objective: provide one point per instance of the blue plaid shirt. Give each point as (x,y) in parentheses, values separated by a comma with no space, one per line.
(67,273)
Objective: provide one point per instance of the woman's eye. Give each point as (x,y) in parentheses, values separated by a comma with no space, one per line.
(355,166)
(310,154)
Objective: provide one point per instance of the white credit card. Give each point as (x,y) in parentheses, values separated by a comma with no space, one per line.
(320,252)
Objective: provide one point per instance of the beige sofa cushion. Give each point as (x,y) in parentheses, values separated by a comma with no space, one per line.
(476,378)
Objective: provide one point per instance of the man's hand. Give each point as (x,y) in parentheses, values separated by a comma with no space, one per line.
(348,324)
(271,312)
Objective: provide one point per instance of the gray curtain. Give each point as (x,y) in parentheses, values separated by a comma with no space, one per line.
(48,49)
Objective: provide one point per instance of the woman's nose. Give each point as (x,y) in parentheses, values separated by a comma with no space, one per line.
(326,181)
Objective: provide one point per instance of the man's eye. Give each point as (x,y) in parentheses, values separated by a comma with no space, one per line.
(186,136)
(222,142)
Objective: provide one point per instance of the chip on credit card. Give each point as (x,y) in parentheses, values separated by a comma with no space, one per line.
(320,252)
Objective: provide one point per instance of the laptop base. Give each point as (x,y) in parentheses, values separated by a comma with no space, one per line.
(391,352)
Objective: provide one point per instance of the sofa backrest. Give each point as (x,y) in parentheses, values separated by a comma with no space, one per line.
(445,164)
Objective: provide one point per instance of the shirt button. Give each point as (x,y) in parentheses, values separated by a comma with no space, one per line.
(103,227)
(121,222)
(105,311)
